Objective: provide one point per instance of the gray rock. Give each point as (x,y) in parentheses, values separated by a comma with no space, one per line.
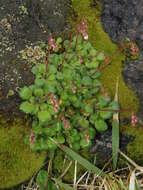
(23,23)
(123,19)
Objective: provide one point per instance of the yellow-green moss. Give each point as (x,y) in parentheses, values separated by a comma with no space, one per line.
(135,147)
(102,42)
(17,162)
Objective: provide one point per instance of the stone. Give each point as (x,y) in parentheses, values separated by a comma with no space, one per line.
(123,20)
(22,25)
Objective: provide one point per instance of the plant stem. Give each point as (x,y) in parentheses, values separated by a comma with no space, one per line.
(47,58)
(69,45)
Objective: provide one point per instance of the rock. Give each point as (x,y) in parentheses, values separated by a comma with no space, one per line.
(122,20)
(22,25)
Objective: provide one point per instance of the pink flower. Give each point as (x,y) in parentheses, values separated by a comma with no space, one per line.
(133,119)
(32,137)
(74,89)
(82,29)
(133,48)
(66,123)
(54,102)
(106,59)
(52,43)
(87,136)
(80,59)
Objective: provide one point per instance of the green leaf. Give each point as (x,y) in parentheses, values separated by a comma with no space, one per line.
(91,133)
(35,70)
(115,142)
(106,114)
(44,116)
(64,95)
(51,145)
(59,76)
(86,80)
(76,146)
(89,108)
(38,92)
(39,82)
(101,125)
(44,182)
(63,185)
(82,122)
(42,68)
(60,139)
(27,107)
(85,163)
(59,40)
(114,105)
(48,87)
(92,52)
(103,101)
(25,93)
(93,118)
(84,143)
(43,106)
(100,57)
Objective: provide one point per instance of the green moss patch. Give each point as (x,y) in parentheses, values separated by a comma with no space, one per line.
(17,162)
(102,42)
(135,147)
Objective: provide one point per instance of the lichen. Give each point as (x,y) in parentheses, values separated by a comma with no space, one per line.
(32,54)
(102,42)
(17,162)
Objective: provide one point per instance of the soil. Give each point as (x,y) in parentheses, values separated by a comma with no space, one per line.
(23,23)
(123,20)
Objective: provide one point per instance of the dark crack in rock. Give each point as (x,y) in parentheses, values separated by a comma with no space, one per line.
(123,19)
(103,146)
(22,24)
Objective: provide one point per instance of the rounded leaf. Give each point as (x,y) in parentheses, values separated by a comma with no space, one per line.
(27,107)
(101,125)
(44,116)
(25,93)
(38,92)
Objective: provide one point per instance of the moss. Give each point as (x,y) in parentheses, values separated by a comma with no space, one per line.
(17,162)
(135,147)
(102,42)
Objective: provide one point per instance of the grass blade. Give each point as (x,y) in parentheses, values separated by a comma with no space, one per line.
(115,142)
(63,185)
(132,181)
(85,163)
(115,132)
(75,156)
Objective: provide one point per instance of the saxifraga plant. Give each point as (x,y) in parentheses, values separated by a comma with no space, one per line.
(67,100)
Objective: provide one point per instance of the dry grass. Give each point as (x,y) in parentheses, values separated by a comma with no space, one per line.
(127,178)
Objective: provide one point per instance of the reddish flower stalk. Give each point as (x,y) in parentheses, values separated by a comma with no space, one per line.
(104,92)
(66,123)
(74,89)
(32,137)
(133,119)
(107,60)
(80,59)
(51,44)
(87,136)
(82,29)
(71,38)
(54,102)
(133,49)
